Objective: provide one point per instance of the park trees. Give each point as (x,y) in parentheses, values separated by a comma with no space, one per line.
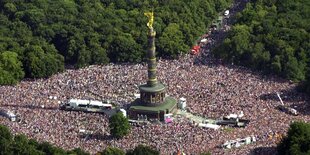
(171,43)
(270,36)
(306,85)
(297,140)
(48,148)
(46,35)
(6,140)
(78,151)
(112,151)
(119,125)
(143,150)
(22,145)
(124,49)
(11,70)
(41,62)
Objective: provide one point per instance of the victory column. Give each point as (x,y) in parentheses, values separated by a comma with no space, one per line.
(153,101)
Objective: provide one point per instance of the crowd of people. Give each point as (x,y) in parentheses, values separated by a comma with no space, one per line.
(212,90)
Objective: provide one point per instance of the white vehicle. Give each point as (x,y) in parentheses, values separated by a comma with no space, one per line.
(182,103)
(203,40)
(8,114)
(82,130)
(226,13)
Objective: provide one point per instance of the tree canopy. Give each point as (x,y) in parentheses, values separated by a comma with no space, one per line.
(46,35)
(119,125)
(143,150)
(10,68)
(272,36)
(112,151)
(6,139)
(297,140)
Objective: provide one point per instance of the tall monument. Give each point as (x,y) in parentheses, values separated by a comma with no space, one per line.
(153,101)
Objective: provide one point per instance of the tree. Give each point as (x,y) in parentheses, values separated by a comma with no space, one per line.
(307,81)
(292,70)
(6,140)
(21,146)
(240,42)
(49,149)
(77,151)
(270,36)
(112,151)
(171,43)
(119,125)
(11,68)
(276,65)
(47,35)
(125,49)
(41,63)
(34,64)
(297,140)
(143,150)
(6,77)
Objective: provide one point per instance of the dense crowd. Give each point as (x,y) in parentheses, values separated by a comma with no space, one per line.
(212,90)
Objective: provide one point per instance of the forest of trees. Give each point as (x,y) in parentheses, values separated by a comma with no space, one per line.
(40,37)
(271,36)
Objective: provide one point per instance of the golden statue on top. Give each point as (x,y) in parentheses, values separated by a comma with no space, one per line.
(150,15)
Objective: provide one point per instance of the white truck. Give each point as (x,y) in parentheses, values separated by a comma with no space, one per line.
(226,13)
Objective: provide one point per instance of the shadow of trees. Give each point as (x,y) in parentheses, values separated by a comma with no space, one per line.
(288,95)
(295,99)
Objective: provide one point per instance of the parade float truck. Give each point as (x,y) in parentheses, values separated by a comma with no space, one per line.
(86,105)
(233,120)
